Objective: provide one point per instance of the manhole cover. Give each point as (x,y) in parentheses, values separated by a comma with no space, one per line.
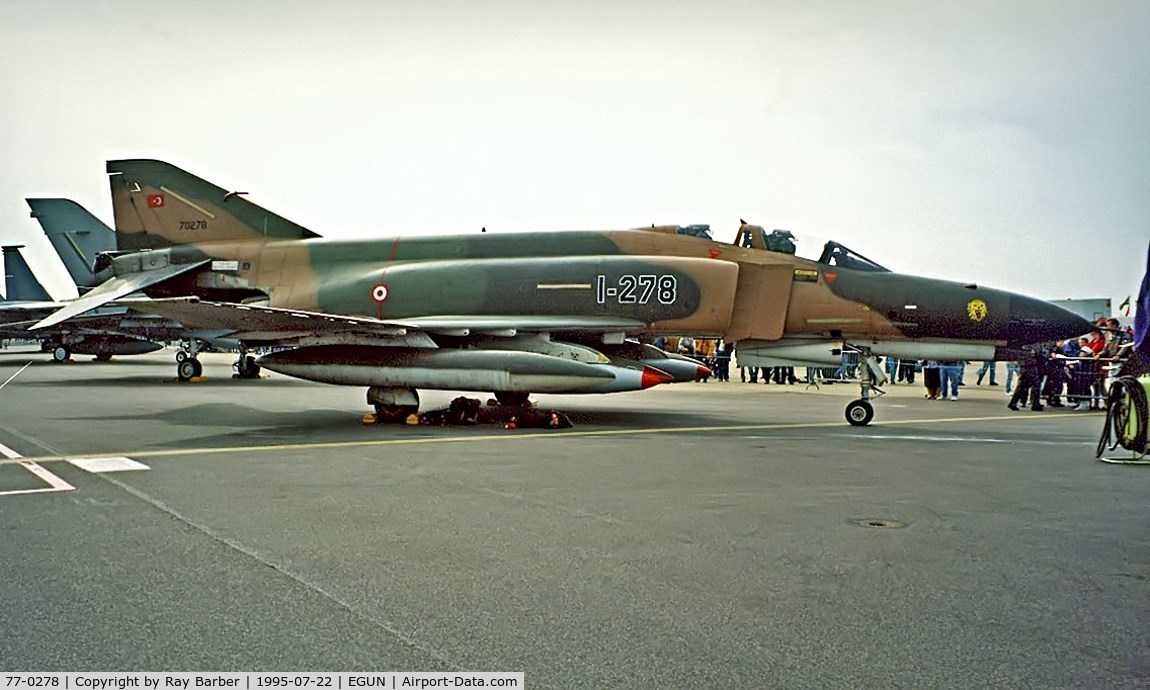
(881,523)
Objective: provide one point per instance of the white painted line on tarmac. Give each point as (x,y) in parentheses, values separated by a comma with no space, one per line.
(53,481)
(16,374)
(101,465)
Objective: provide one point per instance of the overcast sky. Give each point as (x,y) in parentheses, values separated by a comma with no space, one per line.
(1000,142)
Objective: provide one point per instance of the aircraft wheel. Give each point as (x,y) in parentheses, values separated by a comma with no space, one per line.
(189,369)
(61,353)
(860,413)
(247,368)
(395,414)
(181,355)
(513,398)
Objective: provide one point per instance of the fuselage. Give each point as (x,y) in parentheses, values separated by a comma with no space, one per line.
(662,282)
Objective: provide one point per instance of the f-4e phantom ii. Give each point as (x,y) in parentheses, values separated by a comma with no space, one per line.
(531,312)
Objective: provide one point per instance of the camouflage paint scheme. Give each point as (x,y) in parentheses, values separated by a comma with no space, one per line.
(720,290)
(389,312)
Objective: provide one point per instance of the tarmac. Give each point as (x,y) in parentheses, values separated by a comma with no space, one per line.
(692,535)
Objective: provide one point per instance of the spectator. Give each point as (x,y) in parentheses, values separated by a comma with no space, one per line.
(891,369)
(1033,368)
(1011,371)
(931,378)
(949,373)
(988,366)
(906,369)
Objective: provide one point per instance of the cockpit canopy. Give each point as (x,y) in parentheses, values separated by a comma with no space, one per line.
(755,237)
(783,242)
(835,254)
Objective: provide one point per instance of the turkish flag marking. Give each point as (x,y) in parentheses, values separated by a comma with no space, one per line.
(155,201)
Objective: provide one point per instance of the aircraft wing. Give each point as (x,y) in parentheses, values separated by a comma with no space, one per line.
(21,310)
(108,320)
(114,289)
(270,324)
(254,322)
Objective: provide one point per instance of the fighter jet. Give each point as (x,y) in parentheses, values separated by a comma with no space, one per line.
(527,312)
(29,301)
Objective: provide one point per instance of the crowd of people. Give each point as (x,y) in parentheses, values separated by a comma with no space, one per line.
(1075,369)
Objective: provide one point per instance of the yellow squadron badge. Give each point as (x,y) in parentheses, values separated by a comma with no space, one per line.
(976,310)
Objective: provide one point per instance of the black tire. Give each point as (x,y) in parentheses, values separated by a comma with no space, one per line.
(197,367)
(247,368)
(181,355)
(61,353)
(186,370)
(394,414)
(859,413)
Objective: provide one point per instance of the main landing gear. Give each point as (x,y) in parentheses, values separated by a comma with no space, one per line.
(189,369)
(246,367)
(393,404)
(61,353)
(187,366)
(871,377)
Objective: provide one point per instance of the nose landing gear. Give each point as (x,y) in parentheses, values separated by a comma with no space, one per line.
(871,377)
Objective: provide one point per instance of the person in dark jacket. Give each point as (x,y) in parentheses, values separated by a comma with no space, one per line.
(1030,380)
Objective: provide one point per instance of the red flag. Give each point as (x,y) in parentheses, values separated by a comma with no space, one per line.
(155,201)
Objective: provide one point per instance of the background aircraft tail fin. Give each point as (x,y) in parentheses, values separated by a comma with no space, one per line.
(20,283)
(159,205)
(75,234)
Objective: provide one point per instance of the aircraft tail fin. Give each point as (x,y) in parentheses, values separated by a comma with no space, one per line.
(75,234)
(158,205)
(20,282)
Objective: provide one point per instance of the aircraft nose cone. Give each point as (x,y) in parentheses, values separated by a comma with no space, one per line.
(1035,321)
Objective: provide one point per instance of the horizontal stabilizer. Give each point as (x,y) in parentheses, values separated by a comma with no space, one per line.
(114,289)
